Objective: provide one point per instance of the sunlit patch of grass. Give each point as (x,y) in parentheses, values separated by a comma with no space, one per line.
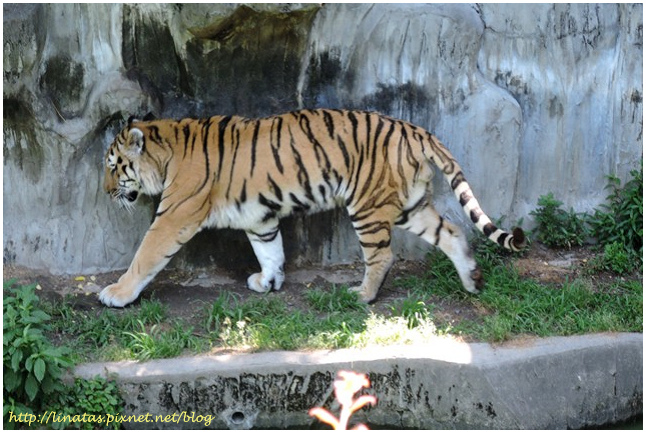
(382,331)
(337,320)
(523,306)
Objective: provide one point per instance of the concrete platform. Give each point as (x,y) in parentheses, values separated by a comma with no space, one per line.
(552,383)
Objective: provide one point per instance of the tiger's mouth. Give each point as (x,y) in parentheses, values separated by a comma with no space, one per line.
(125,198)
(131,196)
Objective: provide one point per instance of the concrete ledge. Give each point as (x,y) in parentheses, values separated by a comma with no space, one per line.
(552,383)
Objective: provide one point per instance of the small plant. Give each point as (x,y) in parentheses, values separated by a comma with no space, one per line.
(557,227)
(32,367)
(616,258)
(157,343)
(337,299)
(94,398)
(621,219)
(347,384)
(413,310)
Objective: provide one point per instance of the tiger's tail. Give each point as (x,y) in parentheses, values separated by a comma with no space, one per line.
(454,176)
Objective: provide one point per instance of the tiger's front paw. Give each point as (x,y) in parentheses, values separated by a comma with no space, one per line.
(261,284)
(116,296)
(365,296)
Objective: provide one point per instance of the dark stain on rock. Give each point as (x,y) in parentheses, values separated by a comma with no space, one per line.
(407,99)
(62,83)
(555,107)
(9,253)
(249,53)
(143,39)
(165,397)
(636,97)
(18,128)
(488,409)
(325,76)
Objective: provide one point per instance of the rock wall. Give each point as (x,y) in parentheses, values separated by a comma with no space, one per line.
(529,98)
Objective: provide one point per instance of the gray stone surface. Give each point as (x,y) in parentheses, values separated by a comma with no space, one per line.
(553,383)
(529,98)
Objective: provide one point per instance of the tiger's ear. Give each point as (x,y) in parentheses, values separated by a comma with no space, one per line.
(147,117)
(136,141)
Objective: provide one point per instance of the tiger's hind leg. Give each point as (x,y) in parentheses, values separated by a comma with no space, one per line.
(374,238)
(434,229)
(267,244)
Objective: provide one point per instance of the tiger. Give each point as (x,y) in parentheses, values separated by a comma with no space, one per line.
(229,171)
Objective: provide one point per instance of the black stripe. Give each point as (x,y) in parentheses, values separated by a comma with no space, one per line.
(380,125)
(275,188)
(373,162)
(381,244)
(299,204)
(322,189)
(355,125)
(222,125)
(502,238)
(465,197)
(205,150)
(235,139)
(154,132)
(357,172)
(274,149)
(329,122)
(266,237)
(254,143)
(373,227)
(368,131)
(302,176)
(187,133)
(438,230)
(344,151)
(488,229)
(475,215)
(389,135)
(243,193)
(320,153)
(457,180)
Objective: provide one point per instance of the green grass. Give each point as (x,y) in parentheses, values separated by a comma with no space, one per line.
(140,333)
(521,306)
(332,317)
(267,324)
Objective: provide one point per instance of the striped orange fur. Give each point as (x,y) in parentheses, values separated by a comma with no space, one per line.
(229,171)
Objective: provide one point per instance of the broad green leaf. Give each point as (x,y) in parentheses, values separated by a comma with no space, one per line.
(16,359)
(31,387)
(12,380)
(39,369)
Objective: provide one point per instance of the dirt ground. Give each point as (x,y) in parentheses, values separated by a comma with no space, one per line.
(186,292)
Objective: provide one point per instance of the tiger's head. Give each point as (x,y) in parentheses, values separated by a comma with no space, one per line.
(130,169)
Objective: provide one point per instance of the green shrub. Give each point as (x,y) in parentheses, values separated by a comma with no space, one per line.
(617,258)
(96,398)
(33,371)
(557,227)
(32,367)
(621,219)
(413,310)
